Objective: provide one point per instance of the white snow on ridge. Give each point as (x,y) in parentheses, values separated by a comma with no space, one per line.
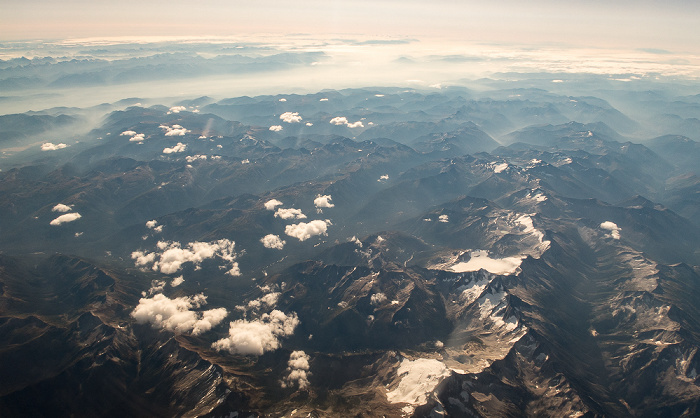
(499,168)
(418,378)
(480,260)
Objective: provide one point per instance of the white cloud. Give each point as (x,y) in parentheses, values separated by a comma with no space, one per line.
(176,109)
(269,301)
(157,286)
(143,259)
(61,208)
(377,299)
(282,100)
(356,241)
(276,128)
(77,234)
(323,100)
(272,241)
(68,217)
(290,213)
(309,124)
(48,146)
(303,231)
(342,120)
(175,130)
(383,177)
(257,336)
(137,138)
(171,255)
(192,158)
(272,204)
(290,117)
(323,201)
(444,218)
(128,133)
(297,370)
(613,228)
(339,120)
(176,315)
(177,281)
(154,226)
(180,147)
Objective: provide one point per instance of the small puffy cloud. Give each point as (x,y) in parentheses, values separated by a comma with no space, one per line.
(323,201)
(297,370)
(193,158)
(154,226)
(383,177)
(177,281)
(377,299)
(68,217)
(137,138)
(180,147)
(257,336)
(272,204)
(290,117)
(309,124)
(303,231)
(176,109)
(175,130)
(282,100)
(444,218)
(177,315)
(61,208)
(273,241)
(170,256)
(48,146)
(290,213)
(246,161)
(128,133)
(613,228)
(267,301)
(342,120)
(339,120)
(276,128)
(77,234)
(323,99)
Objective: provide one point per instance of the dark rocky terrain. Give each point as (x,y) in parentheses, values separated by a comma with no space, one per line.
(365,252)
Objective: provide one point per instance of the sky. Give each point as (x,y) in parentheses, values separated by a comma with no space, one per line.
(649,24)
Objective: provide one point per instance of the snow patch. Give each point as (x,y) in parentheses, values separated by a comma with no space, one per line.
(480,260)
(418,378)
